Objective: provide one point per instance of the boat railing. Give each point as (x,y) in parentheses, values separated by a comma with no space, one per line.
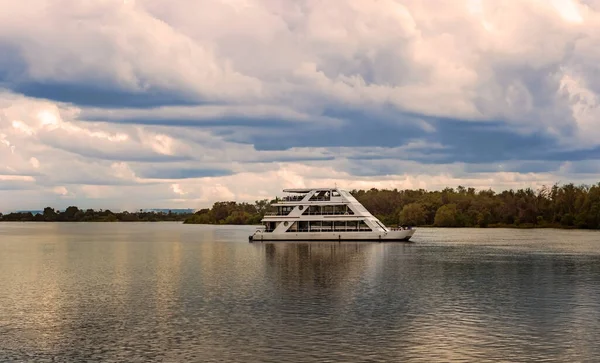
(319,199)
(401,228)
(310,214)
(327,213)
(292,198)
(325,229)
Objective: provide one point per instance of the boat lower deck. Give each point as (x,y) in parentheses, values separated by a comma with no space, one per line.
(390,236)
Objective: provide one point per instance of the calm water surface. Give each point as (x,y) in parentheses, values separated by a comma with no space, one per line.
(172,292)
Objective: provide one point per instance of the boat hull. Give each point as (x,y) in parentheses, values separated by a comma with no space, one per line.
(390,236)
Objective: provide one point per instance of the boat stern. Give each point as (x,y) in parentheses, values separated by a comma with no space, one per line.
(252,237)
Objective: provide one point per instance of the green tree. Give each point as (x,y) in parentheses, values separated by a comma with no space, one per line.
(237,217)
(446,216)
(413,214)
(49,214)
(69,213)
(483,219)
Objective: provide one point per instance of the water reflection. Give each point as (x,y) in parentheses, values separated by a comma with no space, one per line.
(320,265)
(168,292)
(484,304)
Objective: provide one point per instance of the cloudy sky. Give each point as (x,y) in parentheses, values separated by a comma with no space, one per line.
(128,104)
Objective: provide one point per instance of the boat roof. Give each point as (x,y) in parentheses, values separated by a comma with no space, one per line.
(306,190)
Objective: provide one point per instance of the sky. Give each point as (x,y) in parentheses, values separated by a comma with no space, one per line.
(129,104)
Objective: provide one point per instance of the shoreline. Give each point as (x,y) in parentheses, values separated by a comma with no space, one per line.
(558,206)
(495,226)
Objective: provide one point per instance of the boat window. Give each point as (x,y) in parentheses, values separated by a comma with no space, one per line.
(314,226)
(339,226)
(321,195)
(303,226)
(293,227)
(284,211)
(362,226)
(313,209)
(270,226)
(351,226)
(328,210)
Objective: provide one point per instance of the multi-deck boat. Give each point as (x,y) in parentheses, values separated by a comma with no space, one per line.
(324,214)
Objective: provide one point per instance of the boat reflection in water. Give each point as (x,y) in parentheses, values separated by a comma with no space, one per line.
(323,263)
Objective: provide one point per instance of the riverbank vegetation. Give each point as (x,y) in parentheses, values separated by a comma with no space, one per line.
(566,206)
(74,214)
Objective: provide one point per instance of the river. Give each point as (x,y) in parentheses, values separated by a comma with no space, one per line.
(171,292)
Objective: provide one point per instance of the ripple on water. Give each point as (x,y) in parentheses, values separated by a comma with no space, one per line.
(172,292)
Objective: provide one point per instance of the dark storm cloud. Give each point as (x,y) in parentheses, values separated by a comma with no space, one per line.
(88,94)
(179,173)
(214,122)
(116,154)
(90,91)
(7,185)
(518,166)
(459,141)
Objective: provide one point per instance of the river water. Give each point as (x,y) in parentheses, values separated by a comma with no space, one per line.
(142,292)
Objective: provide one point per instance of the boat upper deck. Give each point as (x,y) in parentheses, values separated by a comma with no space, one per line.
(311,195)
(305,190)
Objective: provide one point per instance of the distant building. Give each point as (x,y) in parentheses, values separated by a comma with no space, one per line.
(34,212)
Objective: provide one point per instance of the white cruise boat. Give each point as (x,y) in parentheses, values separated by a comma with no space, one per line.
(324,214)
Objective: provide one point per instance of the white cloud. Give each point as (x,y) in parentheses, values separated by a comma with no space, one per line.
(25,178)
(60,190)
(432,58)
(116,44)
(568,10)
(177,189)
(235,74)
(34,162)
(584,107)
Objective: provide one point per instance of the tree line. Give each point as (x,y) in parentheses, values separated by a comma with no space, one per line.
(566,206)
(74,214)
(556,206)
(232,213)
